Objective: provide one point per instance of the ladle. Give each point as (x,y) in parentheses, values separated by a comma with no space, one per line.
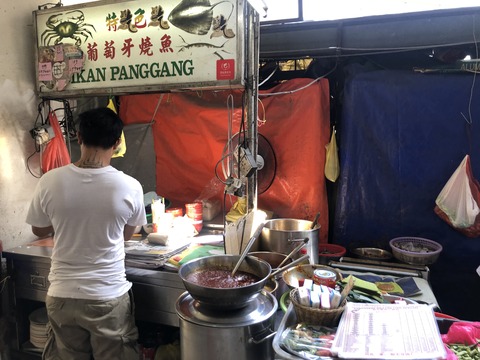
(315,221)
(294,251)
(288,266)
(254,237)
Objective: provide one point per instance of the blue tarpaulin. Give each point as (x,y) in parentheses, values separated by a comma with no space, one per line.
(401,136)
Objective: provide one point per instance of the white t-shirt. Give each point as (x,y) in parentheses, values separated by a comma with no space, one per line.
(88,209)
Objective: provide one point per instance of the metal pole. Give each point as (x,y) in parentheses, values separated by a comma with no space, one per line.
(252,51)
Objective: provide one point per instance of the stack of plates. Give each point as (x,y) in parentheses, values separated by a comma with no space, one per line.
(38,327)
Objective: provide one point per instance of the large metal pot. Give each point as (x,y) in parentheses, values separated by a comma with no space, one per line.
(244,334)
(283,235)
(225,298)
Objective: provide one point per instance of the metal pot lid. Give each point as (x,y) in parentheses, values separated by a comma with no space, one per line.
(261,308)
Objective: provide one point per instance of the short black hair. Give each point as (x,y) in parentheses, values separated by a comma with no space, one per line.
(100,127)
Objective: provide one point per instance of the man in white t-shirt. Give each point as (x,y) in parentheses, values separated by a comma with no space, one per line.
(91,208)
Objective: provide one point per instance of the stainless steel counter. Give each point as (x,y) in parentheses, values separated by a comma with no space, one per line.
(155,291)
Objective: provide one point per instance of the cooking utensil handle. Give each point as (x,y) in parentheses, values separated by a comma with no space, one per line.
(293,263)
(259,341)
(296,240)
(314,222)
(294,251)
(247,248)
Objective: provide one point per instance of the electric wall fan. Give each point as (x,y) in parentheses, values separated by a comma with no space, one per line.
(266,162)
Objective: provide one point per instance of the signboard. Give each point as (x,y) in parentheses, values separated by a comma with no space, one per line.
(119,47)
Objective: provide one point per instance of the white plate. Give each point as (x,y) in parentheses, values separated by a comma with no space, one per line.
(38,316)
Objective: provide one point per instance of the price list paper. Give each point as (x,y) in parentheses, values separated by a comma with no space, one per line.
(388,331)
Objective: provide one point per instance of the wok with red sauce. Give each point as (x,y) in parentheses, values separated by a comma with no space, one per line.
(222,278)
(210,282)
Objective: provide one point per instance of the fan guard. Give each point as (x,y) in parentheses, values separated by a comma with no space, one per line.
(266,162)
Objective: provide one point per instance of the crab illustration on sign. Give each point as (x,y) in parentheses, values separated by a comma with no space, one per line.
(67,25)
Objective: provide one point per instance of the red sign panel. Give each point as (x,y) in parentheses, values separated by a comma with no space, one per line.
(226,69)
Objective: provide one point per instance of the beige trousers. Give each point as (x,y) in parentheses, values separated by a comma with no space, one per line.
(80,329)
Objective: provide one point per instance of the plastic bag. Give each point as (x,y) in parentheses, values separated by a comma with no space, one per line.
(122,147)
(332,164)
(461,334)
(457,203)
(56,152)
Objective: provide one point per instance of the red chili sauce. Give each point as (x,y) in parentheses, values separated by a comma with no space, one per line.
(221,279)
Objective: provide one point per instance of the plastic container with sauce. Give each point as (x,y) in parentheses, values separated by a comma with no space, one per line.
(176,211)
(194,211)
(324,277)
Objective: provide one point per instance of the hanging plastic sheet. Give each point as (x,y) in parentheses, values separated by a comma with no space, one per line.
(190,132)
(402,133)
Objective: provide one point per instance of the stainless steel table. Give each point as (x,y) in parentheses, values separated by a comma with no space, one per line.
(155,291)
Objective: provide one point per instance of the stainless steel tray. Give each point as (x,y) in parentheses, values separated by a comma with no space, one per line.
(288,319)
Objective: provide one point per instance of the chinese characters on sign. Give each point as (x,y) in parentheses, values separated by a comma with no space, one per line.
(169,44)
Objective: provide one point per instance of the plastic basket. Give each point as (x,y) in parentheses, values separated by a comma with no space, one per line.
(415,250)
(329,252)
(315,316)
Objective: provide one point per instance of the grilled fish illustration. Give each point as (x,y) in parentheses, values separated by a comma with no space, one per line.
(194,16)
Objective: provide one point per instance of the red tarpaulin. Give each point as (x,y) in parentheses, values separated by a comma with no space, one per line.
(190,133)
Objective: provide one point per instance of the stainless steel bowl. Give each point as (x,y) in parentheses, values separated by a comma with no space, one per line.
(273,258)
(225,298)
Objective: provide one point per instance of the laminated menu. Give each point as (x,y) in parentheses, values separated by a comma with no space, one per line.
(143,254)
(388,331)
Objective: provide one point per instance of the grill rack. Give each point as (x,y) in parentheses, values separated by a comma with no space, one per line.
(381,267)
